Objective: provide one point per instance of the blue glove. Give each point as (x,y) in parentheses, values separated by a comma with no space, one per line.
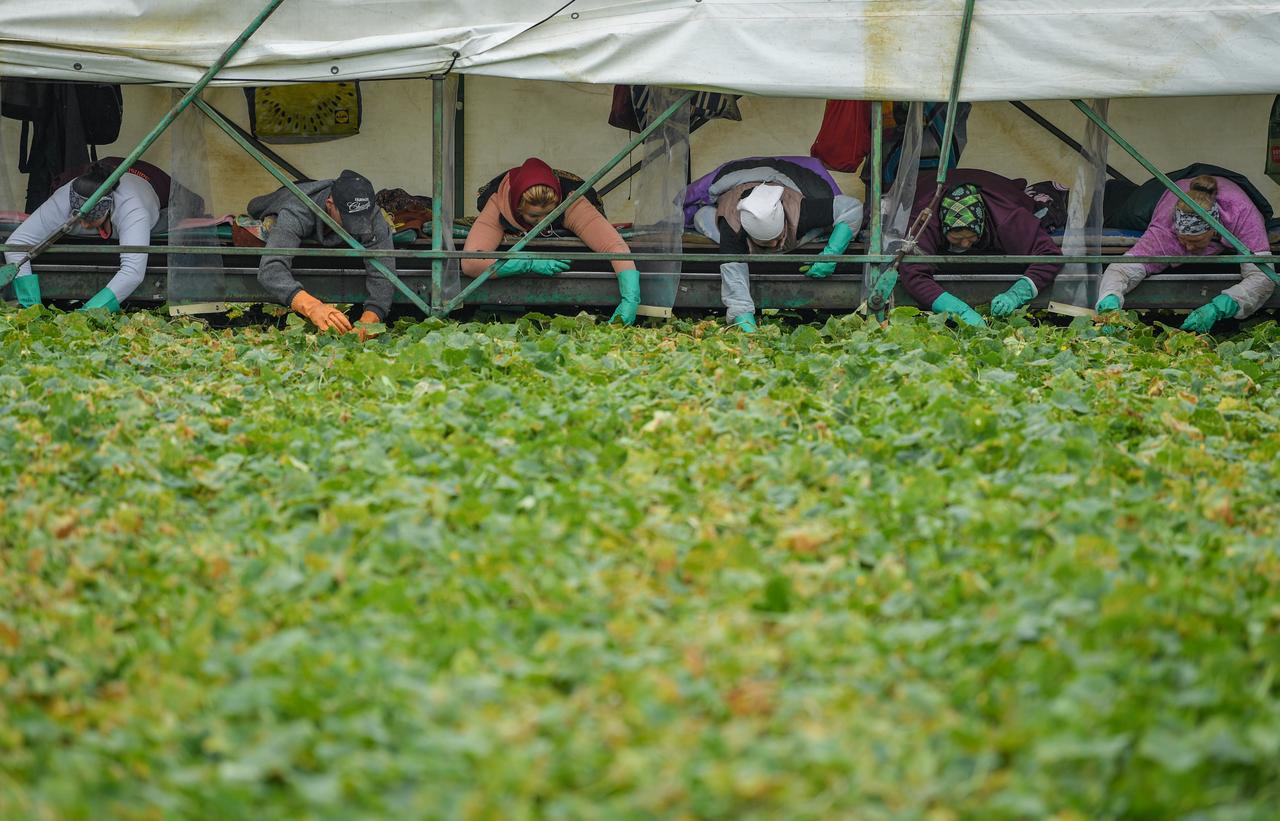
(745,323)
(1110,302)
(947,303)
(103,299)
(841,236)
(629,288)
(28,290)
(1019,294)
(1202,319)
(543,267)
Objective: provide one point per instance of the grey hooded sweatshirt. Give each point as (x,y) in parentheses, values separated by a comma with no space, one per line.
(296,223)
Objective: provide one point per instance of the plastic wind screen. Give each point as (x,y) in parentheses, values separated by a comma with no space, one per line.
(1076,288)
(658,196)
(196,281)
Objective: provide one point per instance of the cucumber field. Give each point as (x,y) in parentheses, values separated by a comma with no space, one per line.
(550,568)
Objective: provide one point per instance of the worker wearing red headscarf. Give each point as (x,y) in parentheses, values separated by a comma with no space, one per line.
(518,200)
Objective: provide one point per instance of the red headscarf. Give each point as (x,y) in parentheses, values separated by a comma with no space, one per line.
(533,172)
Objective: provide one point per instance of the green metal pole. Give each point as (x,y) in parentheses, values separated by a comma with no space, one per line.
(949,130)
(878,298)
(1213,221)
(153,135)
(437,190)
(874,201)
(571,199)
(284,180)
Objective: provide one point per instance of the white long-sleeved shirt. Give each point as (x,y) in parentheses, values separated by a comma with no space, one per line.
(135,212)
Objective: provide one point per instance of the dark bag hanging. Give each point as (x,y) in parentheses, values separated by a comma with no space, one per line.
(101,112)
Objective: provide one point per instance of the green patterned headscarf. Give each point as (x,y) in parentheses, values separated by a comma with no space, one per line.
(963,208)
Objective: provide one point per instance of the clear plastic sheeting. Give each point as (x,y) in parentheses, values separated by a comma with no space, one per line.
(898,200)
(658,195)
(1076,288)
(12,183)
(196,281)
(445,205)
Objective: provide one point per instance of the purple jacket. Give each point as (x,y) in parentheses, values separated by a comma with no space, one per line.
(1239,215)
(1012,228)
(698,193)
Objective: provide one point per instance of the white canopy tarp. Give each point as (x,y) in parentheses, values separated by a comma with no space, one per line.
(854,49)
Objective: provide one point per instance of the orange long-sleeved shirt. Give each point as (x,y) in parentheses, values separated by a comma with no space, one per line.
(588,224)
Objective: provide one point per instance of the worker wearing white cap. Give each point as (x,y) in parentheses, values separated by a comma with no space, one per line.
(771,206)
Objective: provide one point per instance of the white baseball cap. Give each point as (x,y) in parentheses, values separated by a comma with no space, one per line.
(761,213)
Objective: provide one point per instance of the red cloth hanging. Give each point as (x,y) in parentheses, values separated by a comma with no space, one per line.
(844,139)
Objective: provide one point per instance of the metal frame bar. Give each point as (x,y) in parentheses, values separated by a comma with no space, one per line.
(167,120)
(592,256)
(437,190)
(567,201)
(333,225)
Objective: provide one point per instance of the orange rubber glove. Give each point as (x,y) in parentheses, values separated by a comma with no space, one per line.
(323,316)
(367,318)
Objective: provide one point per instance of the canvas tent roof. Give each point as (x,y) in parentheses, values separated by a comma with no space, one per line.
(867,49)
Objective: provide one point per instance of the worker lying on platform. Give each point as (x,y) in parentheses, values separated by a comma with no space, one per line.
(769,205)
(516,200)
(287,222)
(1175,230)
(127,213)
(985,213)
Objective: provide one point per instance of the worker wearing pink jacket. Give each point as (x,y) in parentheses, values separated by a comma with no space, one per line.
(1175,230)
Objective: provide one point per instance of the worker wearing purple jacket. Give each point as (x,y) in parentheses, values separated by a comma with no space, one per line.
(984,213)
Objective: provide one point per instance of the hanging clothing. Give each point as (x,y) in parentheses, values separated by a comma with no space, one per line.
(630,102)
(932,131)
(62,123)
(1011,227)
(844,138)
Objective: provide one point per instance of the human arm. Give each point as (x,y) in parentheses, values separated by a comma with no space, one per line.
(133,221)
(844,214)
(39,226)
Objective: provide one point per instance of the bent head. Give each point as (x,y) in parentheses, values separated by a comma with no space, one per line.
(1196,243)
(536,202)
(1194,231)
(82,188)
(961,240)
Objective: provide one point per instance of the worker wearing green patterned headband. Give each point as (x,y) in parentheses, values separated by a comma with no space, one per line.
(986,213)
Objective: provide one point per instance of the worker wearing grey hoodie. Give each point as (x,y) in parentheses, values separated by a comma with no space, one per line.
(287,222)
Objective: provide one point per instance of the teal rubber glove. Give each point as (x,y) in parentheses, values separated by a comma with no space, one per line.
(542,267)
(1019,294)
(1110,302)
(103,299)
(7,273)
(745,323)
(629,288)
(1203,318)
(28,290)
(841,236)
(947,303)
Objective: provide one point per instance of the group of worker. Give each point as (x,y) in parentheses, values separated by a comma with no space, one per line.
(751,206)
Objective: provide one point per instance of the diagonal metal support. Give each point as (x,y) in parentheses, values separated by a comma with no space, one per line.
(333,225)
(1213,221)
(577,194)
(883,285)
(166,121)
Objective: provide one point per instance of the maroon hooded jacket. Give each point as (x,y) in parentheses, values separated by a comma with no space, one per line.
(1012,228)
